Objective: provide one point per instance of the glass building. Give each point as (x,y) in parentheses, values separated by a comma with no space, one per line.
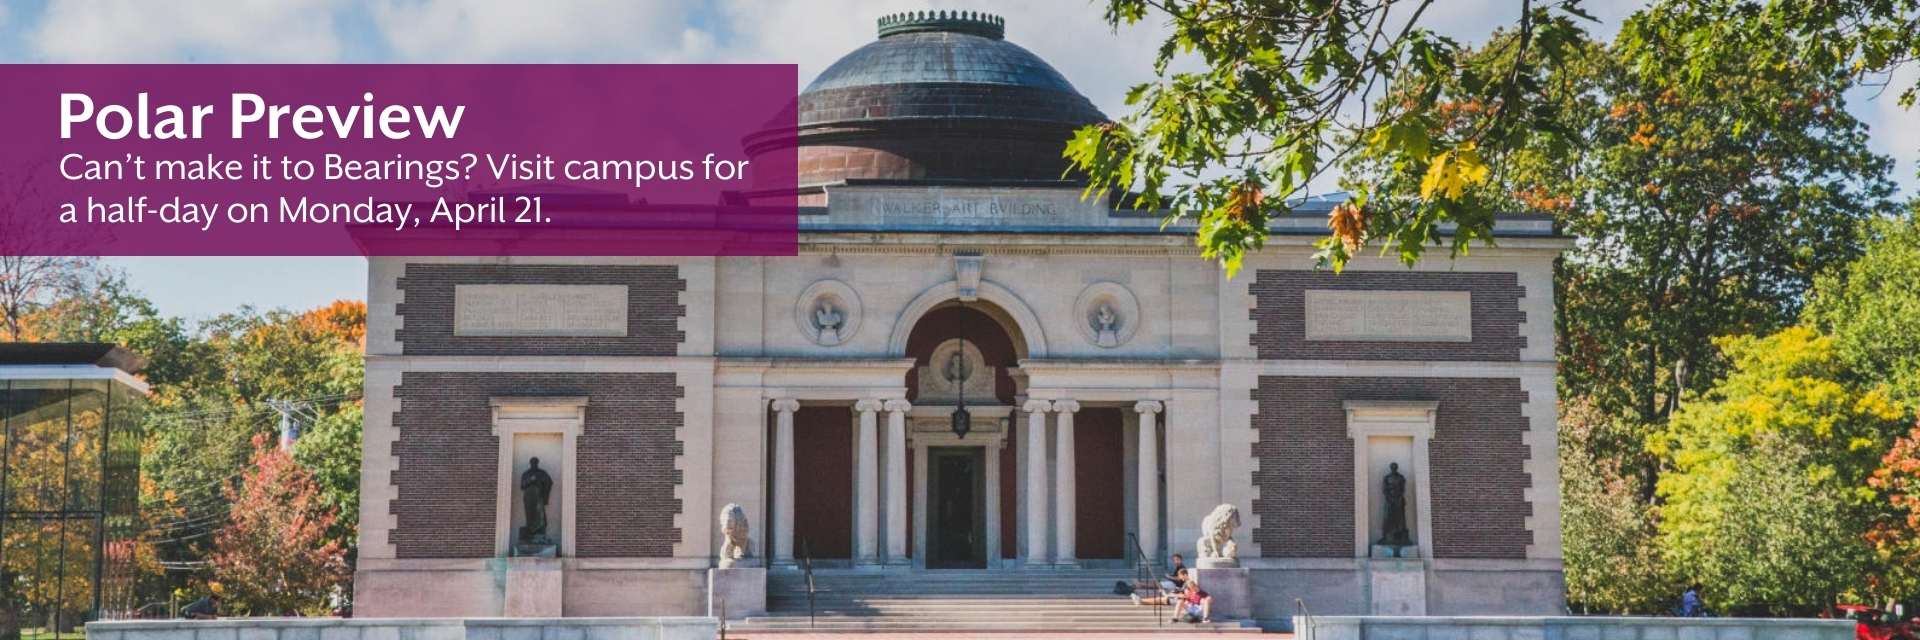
(69,484)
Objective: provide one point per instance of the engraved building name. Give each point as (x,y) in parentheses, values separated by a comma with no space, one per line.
(1389,316)
(539,310)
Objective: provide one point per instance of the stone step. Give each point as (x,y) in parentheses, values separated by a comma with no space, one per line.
(968,610)
(963,601)
(1009,590)
(1039,614)
(801,625)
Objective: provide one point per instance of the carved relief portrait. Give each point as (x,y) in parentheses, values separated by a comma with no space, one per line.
(1107,314)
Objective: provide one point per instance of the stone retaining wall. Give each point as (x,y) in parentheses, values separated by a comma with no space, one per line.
(666,628)
(1566,628)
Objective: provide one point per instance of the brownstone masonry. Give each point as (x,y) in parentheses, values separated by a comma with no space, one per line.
(1280,316)
(653,310)
(1305,479)
(449,462)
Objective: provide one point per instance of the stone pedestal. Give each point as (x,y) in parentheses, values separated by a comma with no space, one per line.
(737,592)
(1387,551)
(534,588)
(1396,587)
(1231,588)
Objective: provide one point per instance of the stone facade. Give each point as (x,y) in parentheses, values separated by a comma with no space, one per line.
(1244,409)
(1115,383)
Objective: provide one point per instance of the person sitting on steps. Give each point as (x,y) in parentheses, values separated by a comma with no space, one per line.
(1170,590)
(1195,605)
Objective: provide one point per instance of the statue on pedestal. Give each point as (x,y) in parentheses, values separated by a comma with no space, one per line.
(1216,545)
(736,544)
(536,488)
(1394,532)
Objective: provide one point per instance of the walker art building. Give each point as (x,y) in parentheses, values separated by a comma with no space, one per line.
(969,377)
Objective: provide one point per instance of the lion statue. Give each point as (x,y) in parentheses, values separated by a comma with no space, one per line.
(1216,538)
(735,543)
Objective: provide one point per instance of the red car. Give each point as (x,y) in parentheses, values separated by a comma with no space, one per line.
(1874,624)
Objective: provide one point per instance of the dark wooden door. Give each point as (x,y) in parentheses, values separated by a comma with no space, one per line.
(957,508)
(1100,510)
(823,482)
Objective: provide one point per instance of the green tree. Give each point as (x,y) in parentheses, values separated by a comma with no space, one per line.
(1767,499)
(1691,227)
(331,449)
(1872,307)
(1232,144)
(1608,532)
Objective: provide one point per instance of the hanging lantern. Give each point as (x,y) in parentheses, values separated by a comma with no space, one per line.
(962,421)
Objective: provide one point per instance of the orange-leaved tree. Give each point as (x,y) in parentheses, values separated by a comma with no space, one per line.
(1896,537)
(274,557)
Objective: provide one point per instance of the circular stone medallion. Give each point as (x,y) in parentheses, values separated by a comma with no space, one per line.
(1106,314)
(827,313)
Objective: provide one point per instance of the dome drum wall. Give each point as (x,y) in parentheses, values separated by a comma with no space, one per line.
(940,95)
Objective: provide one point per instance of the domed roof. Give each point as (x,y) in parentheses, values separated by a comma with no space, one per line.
(945,64)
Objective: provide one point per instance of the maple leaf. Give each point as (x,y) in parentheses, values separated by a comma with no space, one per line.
(1453,171)
(1349,224)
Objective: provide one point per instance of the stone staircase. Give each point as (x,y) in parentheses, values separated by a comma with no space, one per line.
(960,600)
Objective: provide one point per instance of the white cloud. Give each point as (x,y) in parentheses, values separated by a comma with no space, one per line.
(1895,130)
(521,31)
(145,31)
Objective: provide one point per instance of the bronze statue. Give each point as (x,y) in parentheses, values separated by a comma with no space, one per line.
(535,489)
(1394,531)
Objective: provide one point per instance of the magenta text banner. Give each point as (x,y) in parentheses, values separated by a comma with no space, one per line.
(452,160)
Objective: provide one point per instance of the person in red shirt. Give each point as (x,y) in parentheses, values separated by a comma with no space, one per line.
(1195,605)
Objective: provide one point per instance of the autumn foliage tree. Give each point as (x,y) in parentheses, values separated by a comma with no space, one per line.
(1768,497)
(1272,103)
(275,555)
(1896,536)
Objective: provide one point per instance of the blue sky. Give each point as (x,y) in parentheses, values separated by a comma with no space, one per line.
(810,33)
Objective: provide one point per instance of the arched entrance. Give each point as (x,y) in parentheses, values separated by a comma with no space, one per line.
(964,486)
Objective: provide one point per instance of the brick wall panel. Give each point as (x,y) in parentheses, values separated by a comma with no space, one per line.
(653,310)
(449,462)
(1477,464)
(1279,315)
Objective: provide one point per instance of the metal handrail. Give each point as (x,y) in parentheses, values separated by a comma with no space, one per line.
(806,566)
(1306,620)
(1143,565)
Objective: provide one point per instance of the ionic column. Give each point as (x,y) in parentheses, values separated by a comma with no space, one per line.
(897,409)
(783,479)
(1063,484)
(1037,481)
(866,484)
(1148,527)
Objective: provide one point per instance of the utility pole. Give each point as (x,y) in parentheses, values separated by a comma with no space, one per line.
(289,426)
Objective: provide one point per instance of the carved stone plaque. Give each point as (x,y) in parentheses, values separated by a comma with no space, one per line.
(1389,316)
(540,310)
